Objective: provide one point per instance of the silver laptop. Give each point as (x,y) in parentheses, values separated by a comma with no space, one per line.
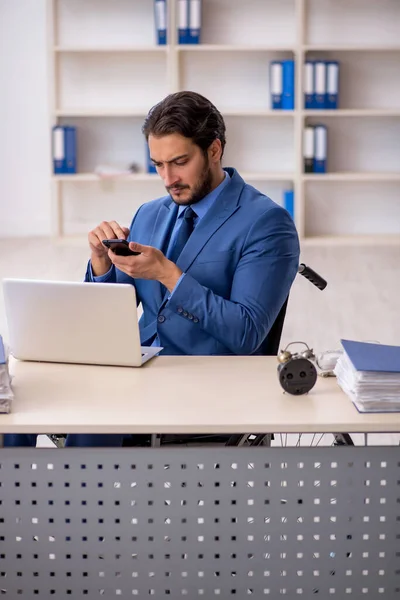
(68,322)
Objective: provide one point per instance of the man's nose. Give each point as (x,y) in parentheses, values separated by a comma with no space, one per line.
(170,177)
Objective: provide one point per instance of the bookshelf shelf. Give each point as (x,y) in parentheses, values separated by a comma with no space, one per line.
(106,50)
(352,240)
(233,48)
(260,113)
(353,112)
(108,71)
(348,48)
(100,112)
(332,177)
(249,176)
(151,177)
(90,177)
(126,112)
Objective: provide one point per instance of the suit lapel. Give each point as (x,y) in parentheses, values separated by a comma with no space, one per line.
(223,208)
(163,224)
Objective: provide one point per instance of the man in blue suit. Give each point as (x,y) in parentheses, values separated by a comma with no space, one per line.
(217,258)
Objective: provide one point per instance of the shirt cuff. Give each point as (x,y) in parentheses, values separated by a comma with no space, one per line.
(176,286)
(100,278)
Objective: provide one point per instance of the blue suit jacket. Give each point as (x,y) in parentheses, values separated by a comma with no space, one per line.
(240,263)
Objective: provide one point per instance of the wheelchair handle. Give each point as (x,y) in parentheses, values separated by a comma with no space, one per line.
(312,276)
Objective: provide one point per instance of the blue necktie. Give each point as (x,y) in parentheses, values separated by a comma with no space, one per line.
(184,233)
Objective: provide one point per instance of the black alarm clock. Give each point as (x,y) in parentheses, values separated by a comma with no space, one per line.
(296,371)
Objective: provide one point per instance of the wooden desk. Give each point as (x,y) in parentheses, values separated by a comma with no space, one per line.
(178,395)
(194,522)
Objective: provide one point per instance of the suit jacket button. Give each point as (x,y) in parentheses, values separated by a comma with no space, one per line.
(190,317)
(185,314)
(195,320)
(161,319)
(180,309)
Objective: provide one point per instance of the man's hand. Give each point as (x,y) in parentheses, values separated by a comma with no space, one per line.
(151,263)
(105,231)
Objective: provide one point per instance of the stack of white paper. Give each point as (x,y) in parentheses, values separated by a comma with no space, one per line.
(371,391)
(6,394)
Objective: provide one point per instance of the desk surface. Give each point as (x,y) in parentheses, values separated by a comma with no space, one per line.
(184,394)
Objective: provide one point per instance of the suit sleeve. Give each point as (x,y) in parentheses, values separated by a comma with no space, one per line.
(261,284)
(113,275)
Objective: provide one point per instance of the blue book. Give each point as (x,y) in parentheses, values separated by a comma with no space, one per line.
(309,84)
(320,84)
(332,84)
(58,149)
(288,202)
(70,149)
(276,84)
(320,148)
(160,17)
(183,21)
(372,357)
(288,85)
(194,21)
(2,352)
(149,163)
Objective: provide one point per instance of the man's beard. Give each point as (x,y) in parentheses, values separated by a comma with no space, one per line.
(201,190)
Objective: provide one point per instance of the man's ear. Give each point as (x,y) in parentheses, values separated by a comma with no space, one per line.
(215,151)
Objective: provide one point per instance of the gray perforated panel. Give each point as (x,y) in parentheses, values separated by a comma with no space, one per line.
(214,522)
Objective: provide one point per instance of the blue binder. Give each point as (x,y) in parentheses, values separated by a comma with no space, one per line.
(332,84)
(183,21)
(288,202)
(276,84)
(320,84)
(288,85)
(58,149)
(160,17)
(309,84)
(373,357)
(2,352)
(149,163)
(70,149)
(194,21)
(320,148)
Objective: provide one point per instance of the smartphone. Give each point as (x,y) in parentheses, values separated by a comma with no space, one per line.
(120,247)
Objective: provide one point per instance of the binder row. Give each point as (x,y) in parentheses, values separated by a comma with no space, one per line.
(315,142)
(64,149)
(281,85)
(189,21)
(315,147)
(321,84)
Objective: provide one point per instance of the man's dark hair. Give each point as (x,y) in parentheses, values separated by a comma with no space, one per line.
(188,114)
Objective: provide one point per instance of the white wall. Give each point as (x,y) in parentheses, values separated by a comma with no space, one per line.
(24,120)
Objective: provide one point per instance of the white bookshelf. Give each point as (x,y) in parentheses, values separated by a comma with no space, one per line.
(120,49)
(107,71)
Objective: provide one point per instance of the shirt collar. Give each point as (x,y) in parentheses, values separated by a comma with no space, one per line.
(201,207)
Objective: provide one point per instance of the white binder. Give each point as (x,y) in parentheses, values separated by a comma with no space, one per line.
(320,84)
